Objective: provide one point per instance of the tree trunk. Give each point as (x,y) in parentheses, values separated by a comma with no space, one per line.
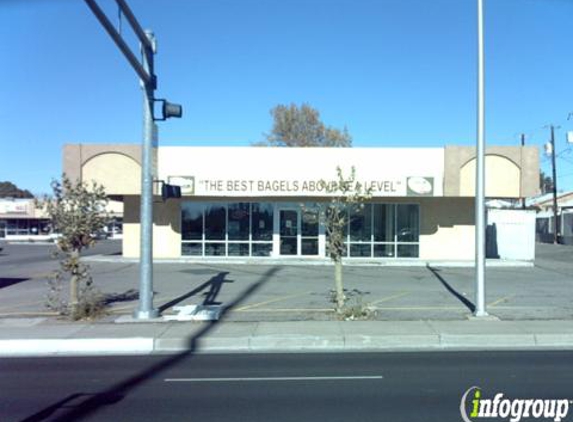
(338,284)
(74,290)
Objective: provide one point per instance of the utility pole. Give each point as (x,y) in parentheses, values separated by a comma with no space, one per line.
(480,310)
(554,176)
(521,155)
(148,80)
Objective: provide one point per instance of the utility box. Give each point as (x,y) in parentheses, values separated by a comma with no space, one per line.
(511,234)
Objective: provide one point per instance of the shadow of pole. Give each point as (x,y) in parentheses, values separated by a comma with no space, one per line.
(120,390)
(450,289)
(214,284)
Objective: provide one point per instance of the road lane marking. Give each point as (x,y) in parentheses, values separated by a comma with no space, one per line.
(258,379)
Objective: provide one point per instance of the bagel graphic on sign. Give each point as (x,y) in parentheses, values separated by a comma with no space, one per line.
(420,186)
(186,183)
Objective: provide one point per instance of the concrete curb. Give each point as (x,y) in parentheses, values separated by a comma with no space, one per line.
(76,347)
(270,344)
(386,262)
(267,337)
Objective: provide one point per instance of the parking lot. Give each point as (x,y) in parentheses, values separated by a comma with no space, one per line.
(270,293)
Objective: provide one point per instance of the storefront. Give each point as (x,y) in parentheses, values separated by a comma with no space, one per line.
(258,202)
(21,220)
(288,229)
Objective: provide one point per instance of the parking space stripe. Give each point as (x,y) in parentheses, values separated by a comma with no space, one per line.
(492,304)
(266,302)
(389,298)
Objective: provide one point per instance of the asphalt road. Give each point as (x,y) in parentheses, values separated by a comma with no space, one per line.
(27,260)
(276,387)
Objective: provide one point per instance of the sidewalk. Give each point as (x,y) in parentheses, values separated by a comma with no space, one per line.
(42,337)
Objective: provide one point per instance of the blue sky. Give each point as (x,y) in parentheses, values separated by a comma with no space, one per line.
(395,72)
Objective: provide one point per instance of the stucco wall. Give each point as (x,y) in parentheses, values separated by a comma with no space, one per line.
(166,228)
(511,172)
(447,228)
(502,178)
(117,167)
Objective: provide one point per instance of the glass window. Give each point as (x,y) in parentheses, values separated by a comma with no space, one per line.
(309,222)
(192,248)
(262,249)
(191,221)
(383,223)
(362,250)
(215,222)
(384,251)
(407,223)
(34,227)
(239,225)
(45,227)
(214,249)
(262,218)
(288,246)
(309,246)
(361,224)
(238,249)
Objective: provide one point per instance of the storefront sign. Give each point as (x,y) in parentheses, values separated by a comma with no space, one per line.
(15,207)
(410,186)
(301,172)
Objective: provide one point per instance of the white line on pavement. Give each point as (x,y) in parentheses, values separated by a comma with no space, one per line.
(249,379)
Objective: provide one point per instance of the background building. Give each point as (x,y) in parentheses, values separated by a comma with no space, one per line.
(544,227)
(21,219)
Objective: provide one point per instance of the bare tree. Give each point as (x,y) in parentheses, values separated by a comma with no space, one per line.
(77,213)
(349,198)
(295,126)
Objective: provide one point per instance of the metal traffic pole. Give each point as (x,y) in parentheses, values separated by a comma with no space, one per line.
(480,310)
(148,81)
(145,309)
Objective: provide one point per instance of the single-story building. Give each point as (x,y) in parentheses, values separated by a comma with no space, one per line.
(266,202)
(544,227)
(21,219)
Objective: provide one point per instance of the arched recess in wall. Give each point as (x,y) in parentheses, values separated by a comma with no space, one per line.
(118,173)
(502,178)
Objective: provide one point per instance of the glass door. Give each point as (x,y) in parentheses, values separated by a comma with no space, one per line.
(288,222)
(2,229)
(309,232)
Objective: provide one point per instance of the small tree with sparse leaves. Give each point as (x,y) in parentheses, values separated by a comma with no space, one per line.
(349,198)
(77,213)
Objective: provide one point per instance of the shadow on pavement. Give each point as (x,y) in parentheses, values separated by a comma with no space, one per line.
(8,281)
(117,392)
(450,289)
(127,296)
(214,284)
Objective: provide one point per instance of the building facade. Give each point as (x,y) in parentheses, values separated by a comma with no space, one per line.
(21,219)
(545,215)
(258,202)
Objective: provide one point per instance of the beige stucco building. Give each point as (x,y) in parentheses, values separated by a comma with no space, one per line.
(265,202)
